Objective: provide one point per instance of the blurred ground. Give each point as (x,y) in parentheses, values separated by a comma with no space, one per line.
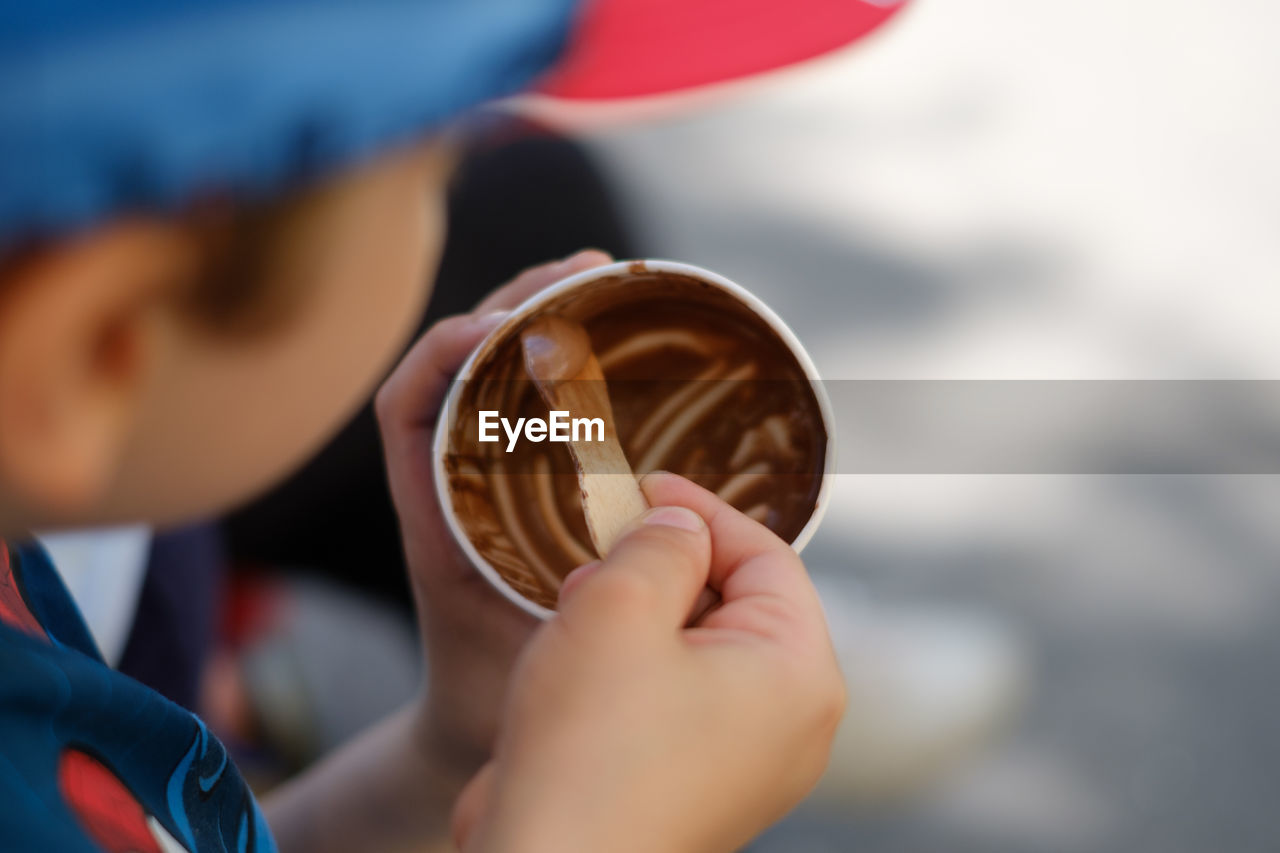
(1005,189)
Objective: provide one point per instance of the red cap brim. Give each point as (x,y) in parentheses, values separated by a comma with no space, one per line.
(639,48)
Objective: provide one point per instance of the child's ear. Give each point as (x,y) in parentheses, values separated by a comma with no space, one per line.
(79,332)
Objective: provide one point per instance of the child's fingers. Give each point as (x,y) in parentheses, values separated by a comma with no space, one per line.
(413,393)
(760,578)
(411,397)
(735,537)
(654,571)
(470,804)
(576,577)
(406,407)
(536,278)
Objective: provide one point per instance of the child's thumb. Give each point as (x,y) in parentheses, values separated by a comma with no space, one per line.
(655,570)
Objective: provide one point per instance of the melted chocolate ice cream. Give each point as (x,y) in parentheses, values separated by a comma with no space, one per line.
(699,385)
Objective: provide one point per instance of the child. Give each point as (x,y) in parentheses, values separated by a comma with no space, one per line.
(216,222)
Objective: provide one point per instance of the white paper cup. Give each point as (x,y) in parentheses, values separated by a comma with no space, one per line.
(574,287)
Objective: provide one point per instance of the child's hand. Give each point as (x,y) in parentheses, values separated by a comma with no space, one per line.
(626,732)
(471,633)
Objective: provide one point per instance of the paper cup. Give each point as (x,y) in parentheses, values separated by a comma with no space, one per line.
(643,283)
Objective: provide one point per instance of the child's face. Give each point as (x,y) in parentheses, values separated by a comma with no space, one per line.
(214,418)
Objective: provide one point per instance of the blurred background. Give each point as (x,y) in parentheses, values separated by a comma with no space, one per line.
(991,190)
(1002,189)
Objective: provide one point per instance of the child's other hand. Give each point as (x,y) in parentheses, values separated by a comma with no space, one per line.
(625,731)
(470,632)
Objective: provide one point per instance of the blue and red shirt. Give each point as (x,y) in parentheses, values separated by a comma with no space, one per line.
(92,760)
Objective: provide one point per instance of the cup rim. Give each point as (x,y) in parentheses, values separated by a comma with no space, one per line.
(521,312)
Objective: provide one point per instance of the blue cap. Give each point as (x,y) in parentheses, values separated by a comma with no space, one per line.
(141,105)
(111,107)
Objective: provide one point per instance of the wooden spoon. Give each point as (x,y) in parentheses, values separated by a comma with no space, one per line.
(559,360)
